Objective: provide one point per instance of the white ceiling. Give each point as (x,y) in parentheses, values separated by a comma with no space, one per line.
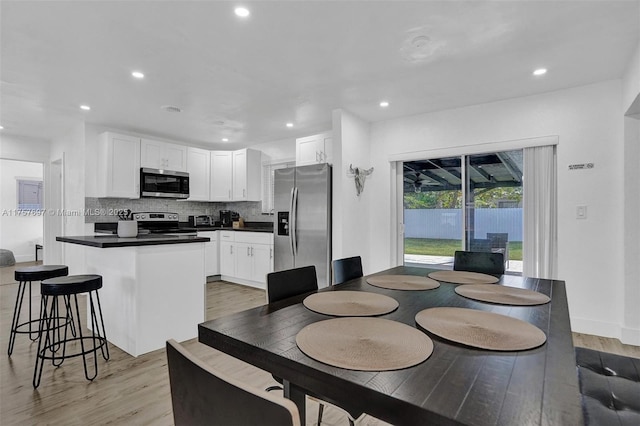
(290,61)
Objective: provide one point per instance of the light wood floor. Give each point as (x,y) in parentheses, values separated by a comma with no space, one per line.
(135,391)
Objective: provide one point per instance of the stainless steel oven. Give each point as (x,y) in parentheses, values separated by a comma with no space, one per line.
(163,183)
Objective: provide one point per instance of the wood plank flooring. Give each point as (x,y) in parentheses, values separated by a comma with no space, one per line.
(135,391)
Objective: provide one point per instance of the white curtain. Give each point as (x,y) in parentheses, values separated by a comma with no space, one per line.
(540,251)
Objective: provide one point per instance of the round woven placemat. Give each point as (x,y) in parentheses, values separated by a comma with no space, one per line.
(502,295)
(463,277)
(365,344)
(484,330)
(350,303)
(403,282)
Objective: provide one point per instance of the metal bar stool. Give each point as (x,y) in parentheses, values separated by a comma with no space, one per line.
(50,343)
(25,276)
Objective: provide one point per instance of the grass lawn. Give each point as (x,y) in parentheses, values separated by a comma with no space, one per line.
(437,247)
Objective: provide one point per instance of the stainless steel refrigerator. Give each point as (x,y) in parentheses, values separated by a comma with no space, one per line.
(302,219)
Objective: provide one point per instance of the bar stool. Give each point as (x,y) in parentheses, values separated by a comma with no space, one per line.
(50,343)
(26,275)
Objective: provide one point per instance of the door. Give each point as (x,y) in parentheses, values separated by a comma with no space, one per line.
(175,157)
(283,181)
(198,162)
(261,254)
(312,221)
(239,181)
(151,154)
(469,202)
(221,173)
(227,258)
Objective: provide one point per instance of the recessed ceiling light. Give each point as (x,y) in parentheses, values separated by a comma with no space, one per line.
(384,104)
(289,124)
(1,127)
(242,12)
(225,140)
(137,74)
(540,71)
(85,107)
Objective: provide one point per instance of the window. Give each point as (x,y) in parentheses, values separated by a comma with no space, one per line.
(29,194)
(267,183)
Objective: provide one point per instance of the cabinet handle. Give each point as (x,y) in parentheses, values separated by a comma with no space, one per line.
(248,251)
(251,251)
(244,193)
(229,194)
(270,253)
(231,249)
(317,157)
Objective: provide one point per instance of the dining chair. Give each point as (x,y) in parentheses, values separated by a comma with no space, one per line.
(289,283)
(477,261)
(201,394)
(347,269)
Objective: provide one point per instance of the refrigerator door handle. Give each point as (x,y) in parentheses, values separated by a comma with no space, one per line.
(291,216)
(294,221)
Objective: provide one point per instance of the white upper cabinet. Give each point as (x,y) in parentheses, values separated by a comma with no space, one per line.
(118,166)
(314,149)
(198,166)
(163,155)
(221,175)
(246,175)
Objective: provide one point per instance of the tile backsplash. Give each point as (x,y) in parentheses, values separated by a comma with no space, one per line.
(105,209)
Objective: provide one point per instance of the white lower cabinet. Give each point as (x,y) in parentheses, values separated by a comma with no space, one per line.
(246,257)
(227,254)
(211,253)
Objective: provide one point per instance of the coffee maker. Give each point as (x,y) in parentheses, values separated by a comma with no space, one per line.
(227,217)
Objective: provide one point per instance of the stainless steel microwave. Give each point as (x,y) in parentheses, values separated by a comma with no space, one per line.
(163,183)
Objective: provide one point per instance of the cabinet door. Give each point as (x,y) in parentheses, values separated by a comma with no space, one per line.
(262,255)
(210,253)
(239,175)
(244,261)
(227,258)
(307,151)
(119,167)
(221,173)
(175,157)
(198,165)
(151,154)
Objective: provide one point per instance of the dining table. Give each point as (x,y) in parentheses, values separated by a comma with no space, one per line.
(456,385)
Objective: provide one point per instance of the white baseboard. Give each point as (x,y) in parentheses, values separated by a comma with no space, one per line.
(24,258)
(628,336)
(248,283)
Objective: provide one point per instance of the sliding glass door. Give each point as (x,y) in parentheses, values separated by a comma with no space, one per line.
(489,186)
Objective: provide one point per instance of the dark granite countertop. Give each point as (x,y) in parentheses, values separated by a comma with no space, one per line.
(108,241)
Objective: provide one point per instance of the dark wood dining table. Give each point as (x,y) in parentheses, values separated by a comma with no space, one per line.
(456,385)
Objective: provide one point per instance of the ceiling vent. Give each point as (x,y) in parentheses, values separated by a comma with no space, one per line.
(171,108)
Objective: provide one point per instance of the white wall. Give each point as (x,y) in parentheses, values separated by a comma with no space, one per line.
(19,148)
(351,213)
(588,121)
(72,147)
(631,81)
(18,233)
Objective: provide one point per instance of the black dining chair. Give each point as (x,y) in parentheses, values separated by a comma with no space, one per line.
(347,269)
(202,395)
(478,261)
(289,283)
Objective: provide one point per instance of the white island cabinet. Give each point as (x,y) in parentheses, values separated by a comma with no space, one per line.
(150,293)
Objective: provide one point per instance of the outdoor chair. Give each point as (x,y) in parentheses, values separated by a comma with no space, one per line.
(479,261)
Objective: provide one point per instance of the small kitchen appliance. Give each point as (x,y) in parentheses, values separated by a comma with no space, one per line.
(163,183)
(227,217)
(201,221)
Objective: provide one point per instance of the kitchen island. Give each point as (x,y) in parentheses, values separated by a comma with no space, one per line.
(153,287)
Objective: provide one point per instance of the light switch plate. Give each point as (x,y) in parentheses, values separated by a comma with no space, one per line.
(581,212)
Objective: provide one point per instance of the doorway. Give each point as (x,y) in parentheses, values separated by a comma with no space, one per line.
(467,202)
